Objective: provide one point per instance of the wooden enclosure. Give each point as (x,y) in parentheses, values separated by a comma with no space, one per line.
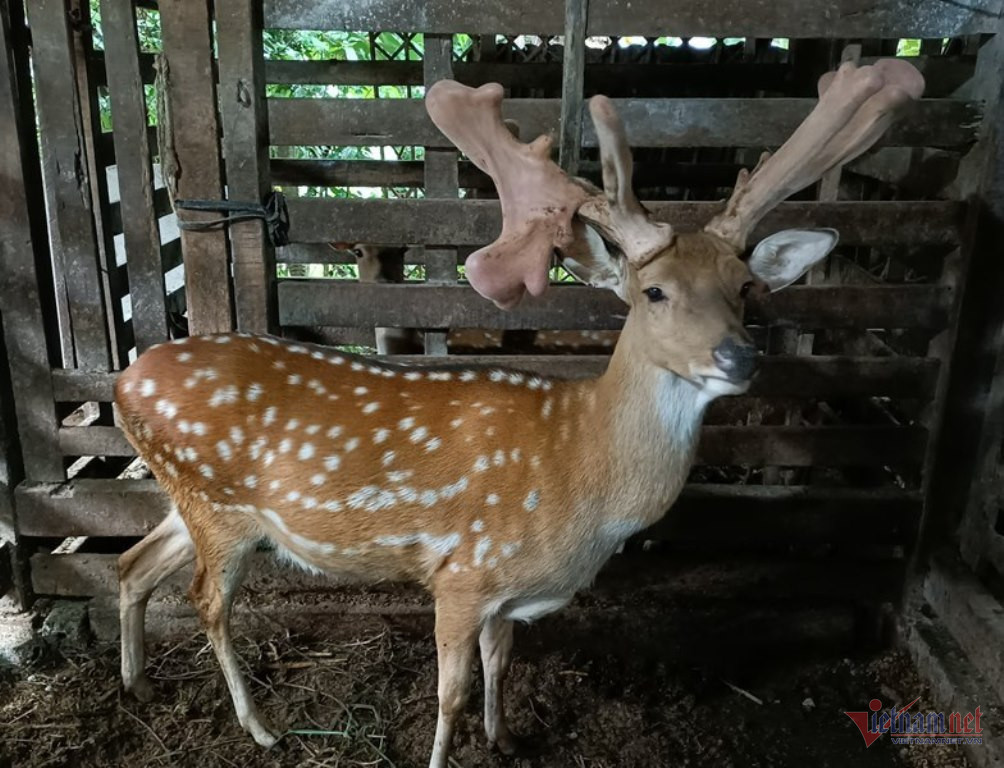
(814,487)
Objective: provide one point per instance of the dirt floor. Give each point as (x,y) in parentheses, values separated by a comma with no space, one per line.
(659,686)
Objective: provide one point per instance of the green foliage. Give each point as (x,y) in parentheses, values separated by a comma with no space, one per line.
(908,47)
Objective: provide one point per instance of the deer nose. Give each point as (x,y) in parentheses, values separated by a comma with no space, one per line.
(736,360)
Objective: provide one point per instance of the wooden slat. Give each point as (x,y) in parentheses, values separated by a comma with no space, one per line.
(245,147)
(24,255)
(649,122)
(943,75)
(94,441)
(476,222)
(747,580)
(71,226)
(409,173)
(134,507)
(720,446)
(753,18)
(349,304)
(191,102)
(899,377)
(812,446)
(135,175)
(751,517)
(611,78)
(572,84)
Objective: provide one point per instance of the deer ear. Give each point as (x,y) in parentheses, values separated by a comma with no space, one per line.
(587,259)
(782,258)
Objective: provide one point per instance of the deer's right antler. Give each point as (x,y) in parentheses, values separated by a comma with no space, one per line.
(538,199)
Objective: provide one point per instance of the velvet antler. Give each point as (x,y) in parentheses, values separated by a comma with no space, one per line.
(538,199)
(856,106)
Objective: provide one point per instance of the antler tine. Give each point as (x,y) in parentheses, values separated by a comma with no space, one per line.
(538,200)
(618,214)
(855,108)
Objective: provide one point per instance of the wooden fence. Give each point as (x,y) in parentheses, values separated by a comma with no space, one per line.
(822,474)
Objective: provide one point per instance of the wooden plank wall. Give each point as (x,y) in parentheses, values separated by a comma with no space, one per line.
(847,418)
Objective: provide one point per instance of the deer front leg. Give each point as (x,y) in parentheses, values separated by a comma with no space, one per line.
(496,657)
(456,631)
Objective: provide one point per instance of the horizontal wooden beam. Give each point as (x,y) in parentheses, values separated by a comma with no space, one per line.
(94,507)
(719,445)
(571,307)
(476,222)
(613,78)
(725,122)
(411,173)
(754,18)
(752,579)
(779,375)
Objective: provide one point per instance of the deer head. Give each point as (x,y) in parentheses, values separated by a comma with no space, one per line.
(686,290)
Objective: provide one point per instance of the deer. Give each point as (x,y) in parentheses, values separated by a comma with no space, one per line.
(500,492)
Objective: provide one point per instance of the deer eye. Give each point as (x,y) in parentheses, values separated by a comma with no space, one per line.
(654,293)
(357,253)
(744,291)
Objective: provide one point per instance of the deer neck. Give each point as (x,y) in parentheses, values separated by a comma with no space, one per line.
(652,420)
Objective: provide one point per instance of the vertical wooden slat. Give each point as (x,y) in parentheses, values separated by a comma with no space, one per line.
(440,180)
(968,416)
(83,39)
(194,170)
(64,164)
(245,147)
(572,80)
(23,253)
(132,159)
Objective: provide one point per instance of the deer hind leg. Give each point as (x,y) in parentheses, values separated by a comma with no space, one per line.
(496,658)
(457,626)
(141,569)
(219,571)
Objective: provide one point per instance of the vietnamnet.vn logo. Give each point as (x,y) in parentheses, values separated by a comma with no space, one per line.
(908,727)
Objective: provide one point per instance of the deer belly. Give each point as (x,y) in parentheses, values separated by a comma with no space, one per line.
(533,608)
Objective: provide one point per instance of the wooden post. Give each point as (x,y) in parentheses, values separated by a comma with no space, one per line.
(190,158)
(135,176)
(440,181)
(23,253)
(573,77)
(245,146)
(64,164)
(968,420)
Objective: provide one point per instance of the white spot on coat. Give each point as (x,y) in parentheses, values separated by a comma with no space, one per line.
(223,448)
(224,396)
(332,463)
(532,501)
(306,452)
(148,387)
(481,549)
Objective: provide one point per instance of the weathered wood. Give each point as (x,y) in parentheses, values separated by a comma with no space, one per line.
(972,614)
(192,122)
(440,182)
(94,441)
(476,222)
(812,446)
(649,122)
(611,78)
(135,175)
(23,255)
(751,517)
(969,415)
(409,173)
(816,376)
(347,304)
(572,82)
(245,146)
(161,207)
(71,225)
(754,18)
(747,580)
(134,507)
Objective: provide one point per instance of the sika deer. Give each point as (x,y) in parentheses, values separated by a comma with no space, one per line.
(502,493)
